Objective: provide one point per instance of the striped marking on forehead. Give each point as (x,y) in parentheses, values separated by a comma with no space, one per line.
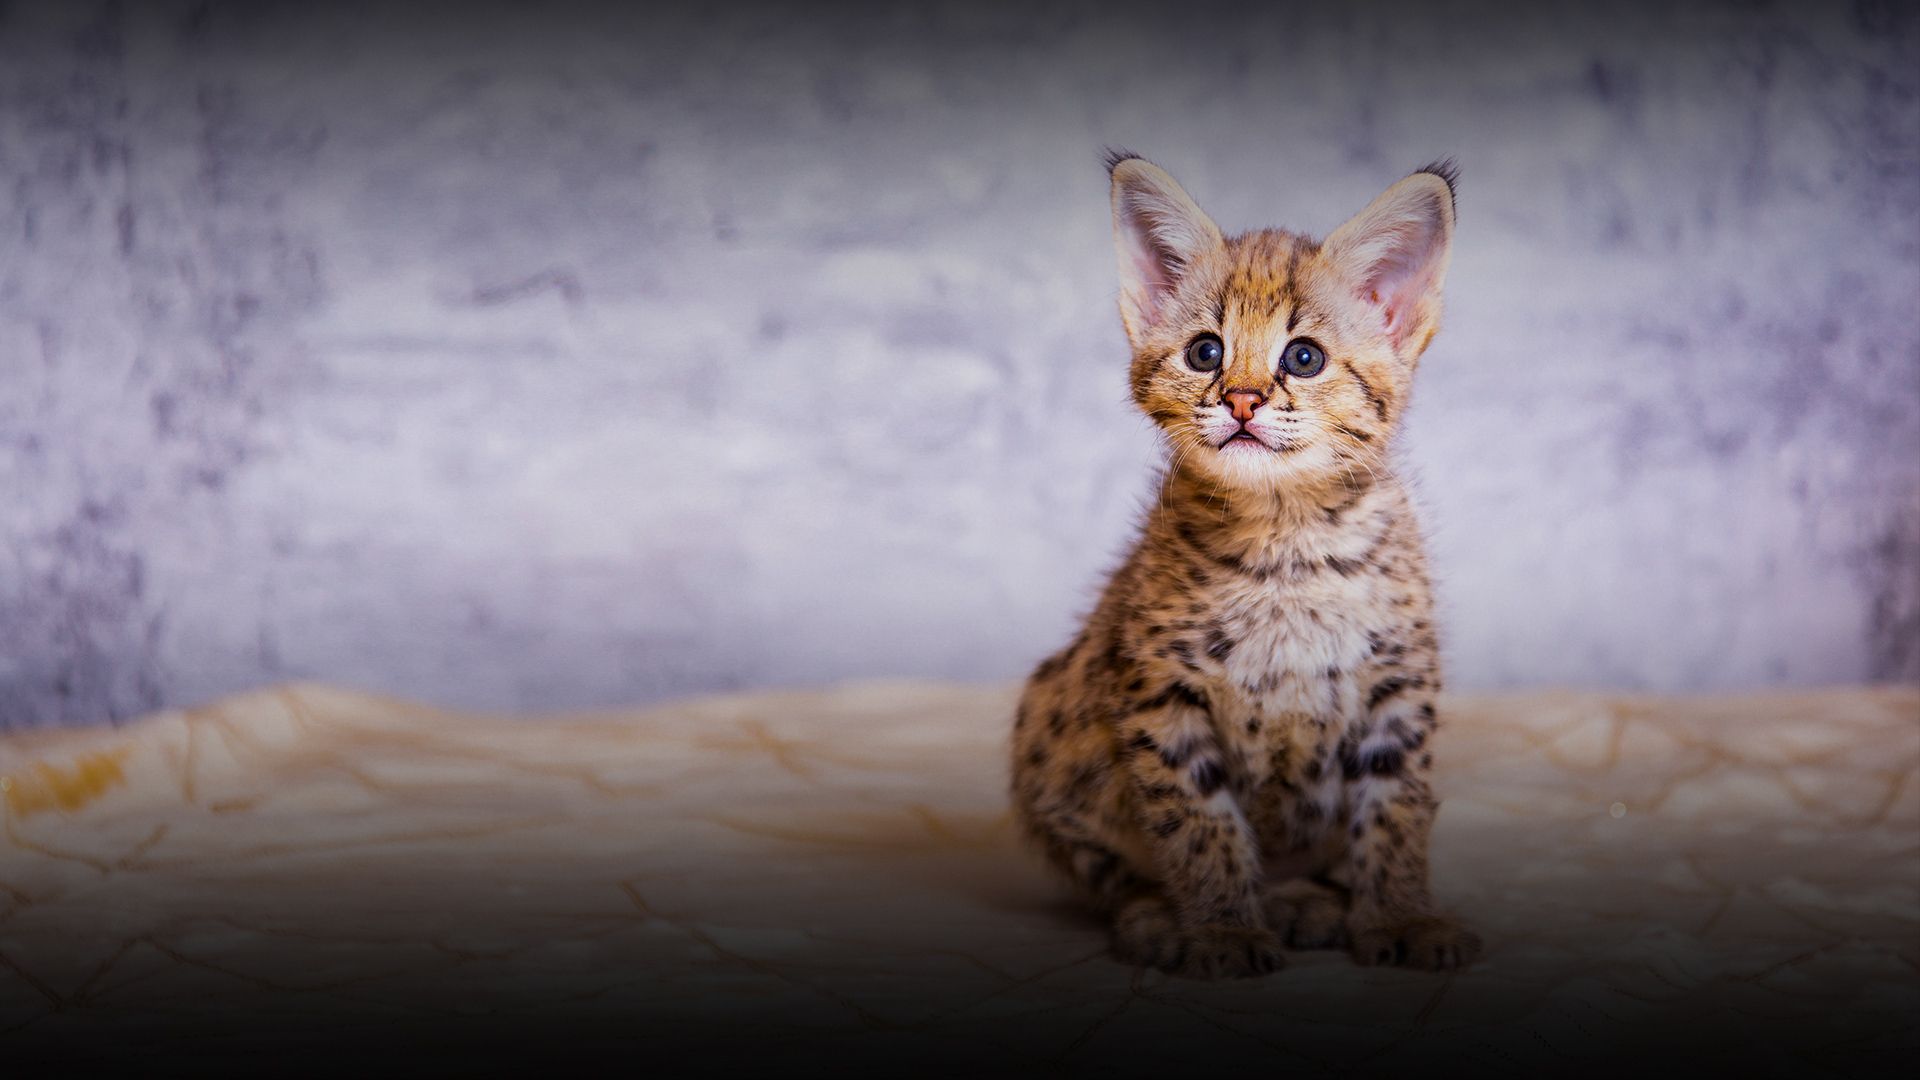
(1260,297)
(1264,277)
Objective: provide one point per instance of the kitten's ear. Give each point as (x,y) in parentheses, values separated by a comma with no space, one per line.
(1159,234)
(1394,255)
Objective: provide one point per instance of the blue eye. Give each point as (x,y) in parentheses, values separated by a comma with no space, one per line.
(1302,359)
(1205,352)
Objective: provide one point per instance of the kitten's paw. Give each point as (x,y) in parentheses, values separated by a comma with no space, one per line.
(1306,914)
(1214,951)
(1427,942)
(1145,933)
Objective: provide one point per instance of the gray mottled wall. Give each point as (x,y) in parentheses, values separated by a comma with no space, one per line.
(536,356)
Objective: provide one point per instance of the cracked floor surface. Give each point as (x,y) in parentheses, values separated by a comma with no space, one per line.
(817,875)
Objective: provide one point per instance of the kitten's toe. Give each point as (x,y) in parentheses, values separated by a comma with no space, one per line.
(1224,951)
(1145,933)
(1427,942)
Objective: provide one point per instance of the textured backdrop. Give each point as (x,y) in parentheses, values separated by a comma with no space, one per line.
(539,356)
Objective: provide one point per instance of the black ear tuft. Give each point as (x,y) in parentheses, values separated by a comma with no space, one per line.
(1449,171)
(1114,155)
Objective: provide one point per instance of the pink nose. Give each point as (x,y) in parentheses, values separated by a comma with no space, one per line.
(1243,402)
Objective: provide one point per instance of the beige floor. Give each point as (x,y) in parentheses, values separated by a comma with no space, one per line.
(815,875)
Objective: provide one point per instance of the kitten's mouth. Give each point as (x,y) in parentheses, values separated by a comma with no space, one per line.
(1245,441)
(1244,437)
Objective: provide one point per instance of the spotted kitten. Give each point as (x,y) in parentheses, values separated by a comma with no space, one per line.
(1232,755)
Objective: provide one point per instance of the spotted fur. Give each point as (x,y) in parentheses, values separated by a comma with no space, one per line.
(1231,757)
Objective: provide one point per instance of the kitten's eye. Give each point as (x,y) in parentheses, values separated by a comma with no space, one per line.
(1205,353)
(1303,359)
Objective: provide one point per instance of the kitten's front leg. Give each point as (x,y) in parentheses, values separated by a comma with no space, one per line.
(1206,921)
(1391,811)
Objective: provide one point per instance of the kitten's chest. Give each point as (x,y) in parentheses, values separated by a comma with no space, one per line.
(1295,649)
(1288,692)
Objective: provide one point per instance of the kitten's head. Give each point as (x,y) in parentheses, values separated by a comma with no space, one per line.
(1270,359)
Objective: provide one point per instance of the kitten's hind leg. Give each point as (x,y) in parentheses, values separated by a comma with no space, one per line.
(1105,877)
(1307,914)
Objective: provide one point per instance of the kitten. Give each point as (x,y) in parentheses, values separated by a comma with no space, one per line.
(1232,755)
